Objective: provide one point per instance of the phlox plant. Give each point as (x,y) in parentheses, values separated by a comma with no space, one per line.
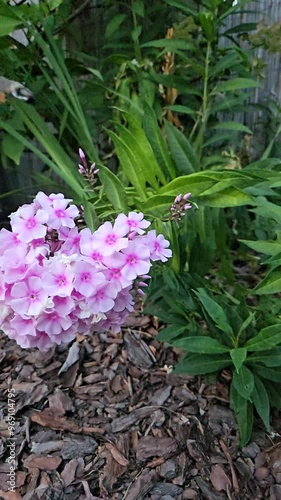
(57,279)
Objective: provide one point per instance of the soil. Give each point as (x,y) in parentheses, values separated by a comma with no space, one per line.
(105,418)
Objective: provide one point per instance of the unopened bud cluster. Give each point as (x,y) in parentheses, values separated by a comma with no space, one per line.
(88,172)
(179,207)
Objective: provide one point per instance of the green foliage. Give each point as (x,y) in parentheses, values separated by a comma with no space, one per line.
(219,334)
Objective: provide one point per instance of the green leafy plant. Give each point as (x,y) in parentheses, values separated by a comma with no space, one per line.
(222,333)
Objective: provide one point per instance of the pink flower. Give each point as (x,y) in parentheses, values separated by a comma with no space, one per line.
(108,239)
(8,240)
(136,260)
(134,222)
(24,325)
(87,278)
(102,300)
(60,215)
(29,223)
(28,297)
(158,246)
(58,280)
(52,323)
(71,240)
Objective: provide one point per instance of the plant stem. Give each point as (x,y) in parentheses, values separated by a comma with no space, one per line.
(137,50)
(205,104)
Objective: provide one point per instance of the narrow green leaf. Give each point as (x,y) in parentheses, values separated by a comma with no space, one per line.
(246,323)
(215,311)
(266,247)
(261,401)
(130,164)
(238,357)
(200,345)
(270,284)
(199,364)
(243,410)
(169,44)
(236,127)
(268,373)
(270,210)
(182,151)
(243,382)
(236,84)
(142,147)
(171,332)
(90,215)
(266,339)
(270,358)
(114,24)
(157,141)
(178,108)
(114,189)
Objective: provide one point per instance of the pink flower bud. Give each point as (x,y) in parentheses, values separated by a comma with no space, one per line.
(186,196)
(83,157)
(178,198)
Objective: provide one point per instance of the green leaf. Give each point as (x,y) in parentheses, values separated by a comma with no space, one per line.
(8,24)
(215,311)
(270,210)
(194,183)
(236,127)
(12,148)
(136,32)
(170,44)
(158,205)
(178,108)
(268,373)
(138,8)
(243,382)
(182,151)
(96,72)
(114,25)
(200,345)
(269,358)
(230,197)
(270,284)
(199,364)
(235,84)
(130,164)
(246,323)
(114,189)
(266,339)
(171,332)
(157,141)
(266,247)
(274,394)
(243,410)
(181,6)
(141,146)
(238,357)
(90,215)
(261,401)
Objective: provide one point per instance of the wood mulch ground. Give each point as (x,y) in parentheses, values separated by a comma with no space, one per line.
(106,419)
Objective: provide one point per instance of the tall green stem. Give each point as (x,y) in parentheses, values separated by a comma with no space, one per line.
(205,104)
(137,49)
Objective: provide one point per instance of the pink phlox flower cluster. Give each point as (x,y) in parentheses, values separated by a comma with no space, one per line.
(56,281)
